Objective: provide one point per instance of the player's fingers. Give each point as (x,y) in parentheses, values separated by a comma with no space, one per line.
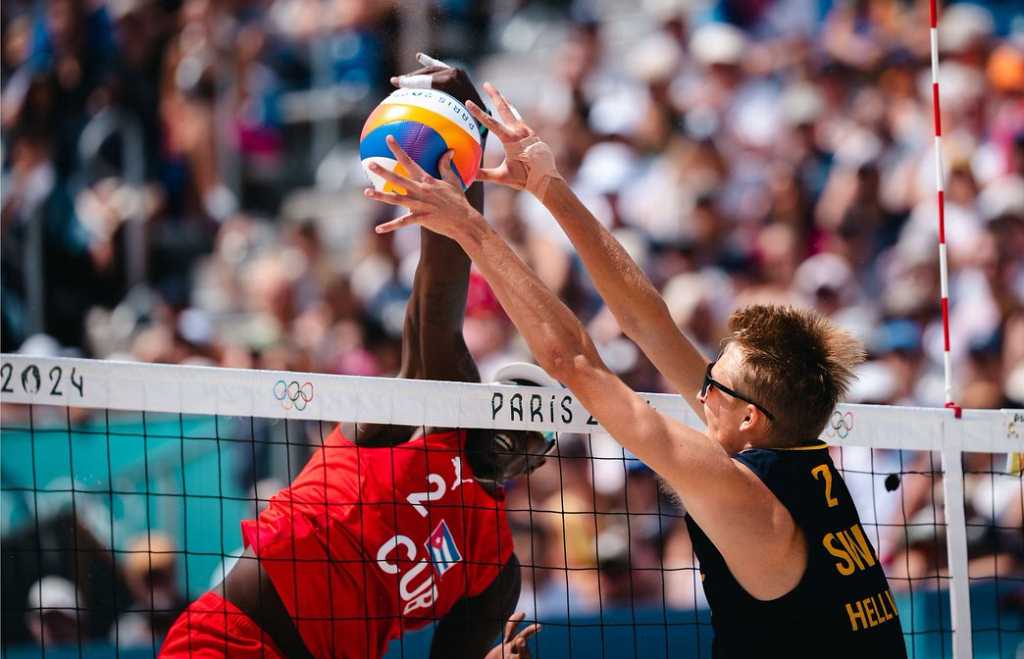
(502,176)
(421,78)
(415,171)
(490,122)
(427,60)
(492,175)
(448,170)
(399,222)
(387,197)
(528,632)
(500,104)
(423,70)
(513,622)
(519,645)
(508,113)
(413,81)
(392,177)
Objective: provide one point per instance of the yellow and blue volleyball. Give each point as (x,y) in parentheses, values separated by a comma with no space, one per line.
(426,123)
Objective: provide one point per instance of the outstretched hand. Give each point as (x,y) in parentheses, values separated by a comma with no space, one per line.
(437,204)
(435,74)
(512,644)
(529,162)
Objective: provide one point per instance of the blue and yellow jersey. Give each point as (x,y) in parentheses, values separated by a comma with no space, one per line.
(842,606)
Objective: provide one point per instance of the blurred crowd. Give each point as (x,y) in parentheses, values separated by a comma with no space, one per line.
(76,592)
(181,185)
(166,199)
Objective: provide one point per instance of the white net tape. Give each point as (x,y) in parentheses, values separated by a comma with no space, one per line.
(882,449)
(285,395)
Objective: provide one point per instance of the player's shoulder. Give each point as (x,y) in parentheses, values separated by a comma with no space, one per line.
(765,460)
(446,436)
(810,449)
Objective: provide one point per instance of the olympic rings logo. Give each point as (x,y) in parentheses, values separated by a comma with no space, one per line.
(1014,426)
(292,394)
(840,425)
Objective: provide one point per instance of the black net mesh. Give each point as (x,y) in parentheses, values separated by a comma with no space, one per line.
(114,522)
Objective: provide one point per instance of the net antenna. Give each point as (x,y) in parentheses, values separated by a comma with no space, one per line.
(952,462)
(940,191)
(218,412)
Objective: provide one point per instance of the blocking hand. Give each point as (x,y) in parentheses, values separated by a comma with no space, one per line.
(514,645)
(436,204)
(529,163)
(435,74)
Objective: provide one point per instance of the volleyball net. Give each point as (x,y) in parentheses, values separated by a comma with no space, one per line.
(124,485)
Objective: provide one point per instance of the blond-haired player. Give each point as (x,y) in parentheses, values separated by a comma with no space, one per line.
(786,566)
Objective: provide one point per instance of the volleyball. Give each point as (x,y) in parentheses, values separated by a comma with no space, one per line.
(426,123)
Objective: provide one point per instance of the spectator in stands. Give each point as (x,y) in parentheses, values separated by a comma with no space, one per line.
(151,573)
(55,612)
(141,33)
(799,172)
(49,258)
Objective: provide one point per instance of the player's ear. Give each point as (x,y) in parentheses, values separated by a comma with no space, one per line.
(750,418)
(754,419)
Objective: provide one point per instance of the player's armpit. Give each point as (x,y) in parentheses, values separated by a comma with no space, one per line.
(472,626)
(749,525)
(765,550)
(375,435)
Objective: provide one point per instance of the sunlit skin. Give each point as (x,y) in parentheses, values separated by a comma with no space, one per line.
(733,423)
(737,425)
(764,549)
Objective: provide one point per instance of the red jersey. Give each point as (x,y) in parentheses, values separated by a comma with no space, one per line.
(369,542)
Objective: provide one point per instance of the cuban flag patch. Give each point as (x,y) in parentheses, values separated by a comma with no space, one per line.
(442,550)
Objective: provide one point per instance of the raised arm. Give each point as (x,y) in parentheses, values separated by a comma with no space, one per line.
(636,304)
(469,629)
(751,528)
(432,344)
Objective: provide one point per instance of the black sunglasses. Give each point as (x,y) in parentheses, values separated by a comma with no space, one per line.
(711,382)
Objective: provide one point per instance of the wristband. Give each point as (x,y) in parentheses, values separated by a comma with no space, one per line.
(539,162)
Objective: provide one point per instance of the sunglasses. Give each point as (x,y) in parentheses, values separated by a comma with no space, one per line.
(533,459)
(711,382)
(550,439)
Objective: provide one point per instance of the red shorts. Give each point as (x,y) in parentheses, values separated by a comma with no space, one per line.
(214,627)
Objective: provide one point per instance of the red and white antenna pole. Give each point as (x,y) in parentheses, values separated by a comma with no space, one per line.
(940,189)
(952,460)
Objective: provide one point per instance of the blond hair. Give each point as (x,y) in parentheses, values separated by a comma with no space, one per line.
(796,363)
